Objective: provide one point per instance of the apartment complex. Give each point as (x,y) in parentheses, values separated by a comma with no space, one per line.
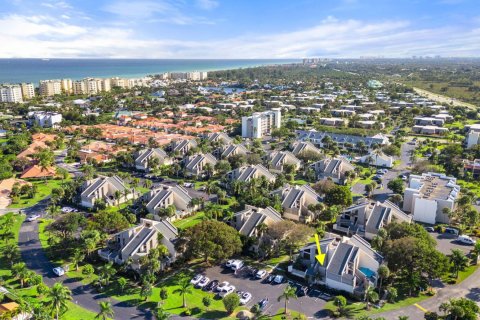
(50,88)
(44,119)
(261,124)
(28,90)
(473,135)
(428,195)
(11,93)
(193,76)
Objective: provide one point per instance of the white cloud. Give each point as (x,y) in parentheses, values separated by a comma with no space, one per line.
(44,36)
(207,4)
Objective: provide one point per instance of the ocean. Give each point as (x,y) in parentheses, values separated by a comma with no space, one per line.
(34,70)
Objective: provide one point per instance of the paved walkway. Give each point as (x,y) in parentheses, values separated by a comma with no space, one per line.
(34,256)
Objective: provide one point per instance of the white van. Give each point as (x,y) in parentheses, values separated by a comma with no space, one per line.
(466,240)
(236,265)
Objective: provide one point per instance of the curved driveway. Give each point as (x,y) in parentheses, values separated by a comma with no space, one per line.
(35,258)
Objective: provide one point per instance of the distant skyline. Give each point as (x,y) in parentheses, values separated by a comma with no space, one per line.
(233,29)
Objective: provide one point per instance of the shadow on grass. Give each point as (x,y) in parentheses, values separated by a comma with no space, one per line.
(214,314)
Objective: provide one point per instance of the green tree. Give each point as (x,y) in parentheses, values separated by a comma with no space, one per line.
(383,273)
(211,239)
(184,288)
(207,301)
(146,290)
(371,296)
(57,299)
(288,293)
(341,303)
(77,257)
(160,314)
(396,185)
(163,293)
(459,261)
(231,302)
(122,283)
(339,195)
(106,310)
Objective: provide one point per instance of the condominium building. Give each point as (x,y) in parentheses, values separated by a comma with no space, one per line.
(79,87)
(91,86)
(28,91)
(119,82)
(66,86)
(45,119)
(11,93)
(473,135)
(260,124)
(428,195)
(50,88)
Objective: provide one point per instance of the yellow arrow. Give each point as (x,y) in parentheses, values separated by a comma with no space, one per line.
(320,256)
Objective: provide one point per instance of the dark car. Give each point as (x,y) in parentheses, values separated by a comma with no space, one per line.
(263,303)
(211,285)
(301,291)
(269,279)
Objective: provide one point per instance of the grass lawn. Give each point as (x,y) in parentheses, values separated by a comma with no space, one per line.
(472,186)
(280,315)
(357,309)
(190,221)
(462,275)
(43,191)
(300,182)
(76,312)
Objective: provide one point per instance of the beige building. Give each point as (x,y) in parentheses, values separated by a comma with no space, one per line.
(67,86)
(28,91)
(50,88)
(119,82)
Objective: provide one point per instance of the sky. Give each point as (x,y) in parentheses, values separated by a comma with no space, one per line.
(238,29)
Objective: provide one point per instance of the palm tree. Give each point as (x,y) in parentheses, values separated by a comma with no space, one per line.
(10,252)
(459,261)
(287,294)
(77,257)
(403,317)
(106,271)
(105,310)
(57,299)
(184,288)
(117,195)
(371,296)
(383,273)
(18,271)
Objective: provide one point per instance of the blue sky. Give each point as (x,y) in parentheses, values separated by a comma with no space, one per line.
(238,28)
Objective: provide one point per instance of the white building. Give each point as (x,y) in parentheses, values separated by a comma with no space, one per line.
(473,135)
(11,93)
(260,124)
(45,119)
(427,196)
(377,160)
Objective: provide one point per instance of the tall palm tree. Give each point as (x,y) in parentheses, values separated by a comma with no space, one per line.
(77,257)
(184,288)
(371,296)
(117,195)
(287,294)
(459,261)
(57,299)
(106,310)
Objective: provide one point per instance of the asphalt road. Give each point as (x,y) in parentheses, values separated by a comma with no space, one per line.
(35,258)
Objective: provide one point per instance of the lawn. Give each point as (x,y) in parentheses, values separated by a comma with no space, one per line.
(472,186)
(462,275)
(190,221)
(44,189)
(357,309)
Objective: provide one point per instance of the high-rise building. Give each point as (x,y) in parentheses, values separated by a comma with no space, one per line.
(66,86)
(28,91)
(119,82)
(260,124)
(11,93)
(50,88)
(79,87)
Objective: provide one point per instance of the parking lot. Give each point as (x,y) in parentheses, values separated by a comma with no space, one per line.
(446,242)
(310,304)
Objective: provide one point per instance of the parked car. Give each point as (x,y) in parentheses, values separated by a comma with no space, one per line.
(403,177)
(228,264)
(269,279)
(466,240)
(261,274)
(237,265)
(211,286)
(245,297)
(278,279)
(430,229)
(221,286)
(202,283)
(451,231)
(196,279)
(33,217)
(263,303)
(58,271)
(301,291)
(188,184)
(226,291)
